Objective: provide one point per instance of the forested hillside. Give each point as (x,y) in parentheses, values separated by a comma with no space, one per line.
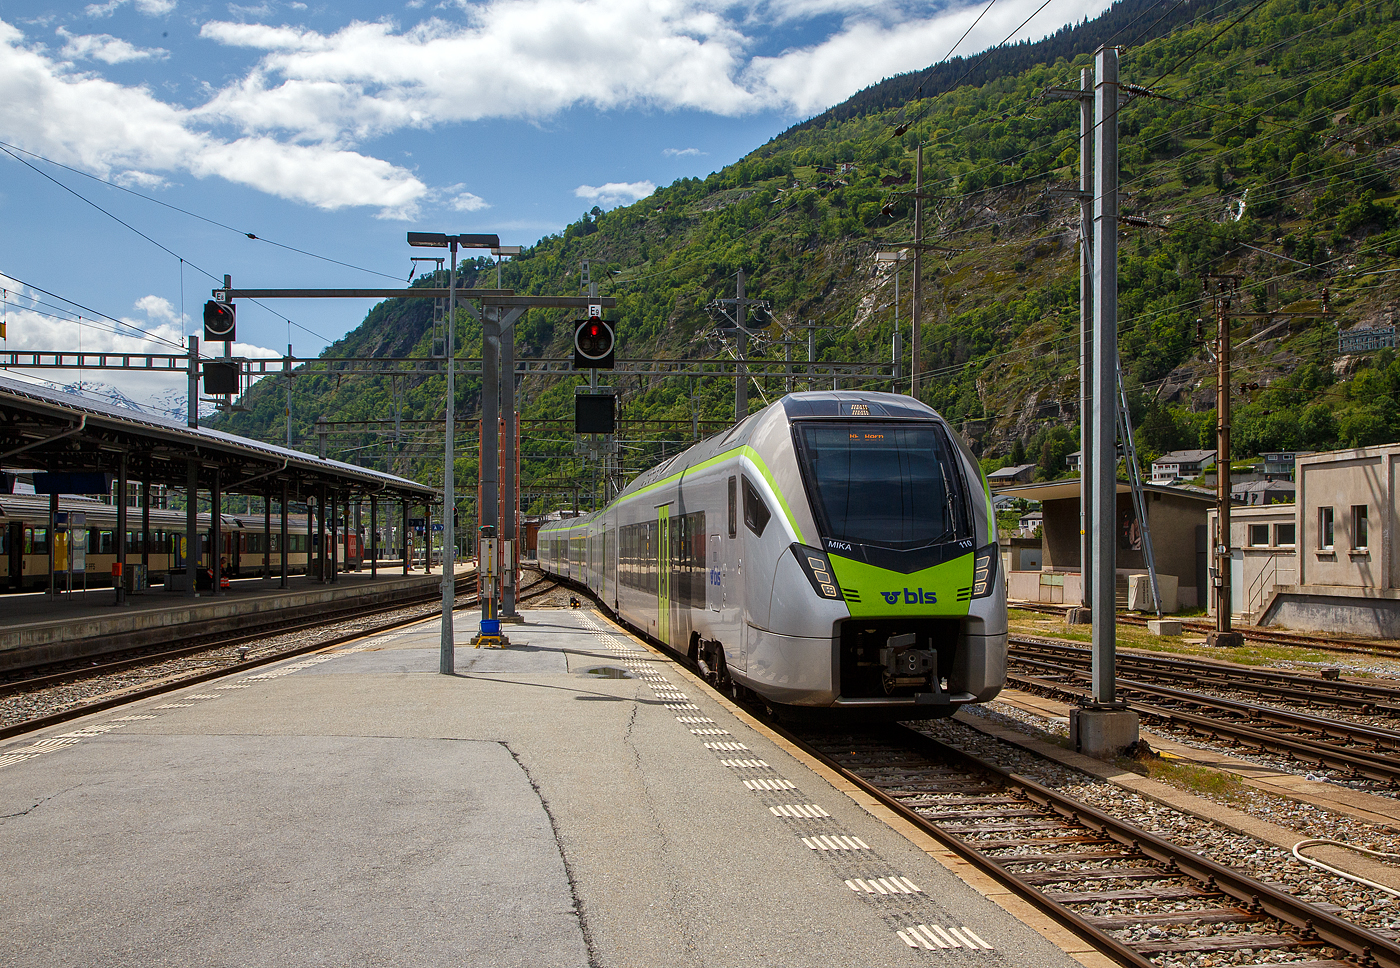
(1266,148)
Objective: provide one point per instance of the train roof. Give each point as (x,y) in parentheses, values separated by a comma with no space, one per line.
(43,424)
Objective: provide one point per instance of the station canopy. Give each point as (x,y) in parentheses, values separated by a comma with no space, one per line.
(58,432)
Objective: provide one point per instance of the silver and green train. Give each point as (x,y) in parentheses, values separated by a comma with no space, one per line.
(832,550)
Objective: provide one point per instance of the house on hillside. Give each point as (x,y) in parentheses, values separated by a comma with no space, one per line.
(1254,493)
(1007,476)
(1181,465)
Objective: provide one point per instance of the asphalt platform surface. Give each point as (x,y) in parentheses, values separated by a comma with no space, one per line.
(573,800)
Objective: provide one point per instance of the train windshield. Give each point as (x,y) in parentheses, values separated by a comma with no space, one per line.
(891,485)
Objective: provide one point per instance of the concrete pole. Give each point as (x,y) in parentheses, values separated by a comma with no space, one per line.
(192,391)
(191,526)
(374,536)
(286,535)
(118,539)
(1086,334)
(1105,424)
(146,526)
(490,440)
(267,534)
(407,556)
(916,342)
(508,451)
(447,657)
(216,532)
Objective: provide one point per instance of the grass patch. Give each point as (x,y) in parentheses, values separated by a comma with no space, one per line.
(1201,780)
(1025,622)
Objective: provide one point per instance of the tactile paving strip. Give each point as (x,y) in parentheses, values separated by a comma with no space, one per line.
(902,904)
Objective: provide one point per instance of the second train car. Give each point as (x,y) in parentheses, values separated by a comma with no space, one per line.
(835,549)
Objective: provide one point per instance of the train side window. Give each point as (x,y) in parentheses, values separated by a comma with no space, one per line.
(756,513)
(733,508)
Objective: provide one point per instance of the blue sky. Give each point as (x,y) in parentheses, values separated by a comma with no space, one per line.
(335,129)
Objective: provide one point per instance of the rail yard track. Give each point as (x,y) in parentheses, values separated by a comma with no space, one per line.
(1356,750)
(1132,894)
(48,697)
(1252,633)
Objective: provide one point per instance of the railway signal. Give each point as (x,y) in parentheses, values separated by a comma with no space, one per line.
(593,341)
(219,322)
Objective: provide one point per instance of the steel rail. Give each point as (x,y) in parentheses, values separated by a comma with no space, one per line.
(1379,767)
(159,689)
(1253,895)
(218,640)
(1368,697)
(1250,632)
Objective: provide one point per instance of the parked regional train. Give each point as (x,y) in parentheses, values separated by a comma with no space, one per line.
(25,542)
(835,549)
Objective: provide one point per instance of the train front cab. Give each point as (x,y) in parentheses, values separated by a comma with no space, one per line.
(899,590)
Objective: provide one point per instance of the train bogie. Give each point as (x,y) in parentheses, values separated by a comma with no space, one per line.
(833,550)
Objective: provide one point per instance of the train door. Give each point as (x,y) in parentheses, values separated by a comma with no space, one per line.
(15,545)
(714,577)
(663,574)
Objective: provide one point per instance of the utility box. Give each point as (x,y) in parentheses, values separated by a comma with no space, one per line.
(136,579)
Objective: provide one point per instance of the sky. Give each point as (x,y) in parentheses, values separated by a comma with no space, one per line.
(142,141)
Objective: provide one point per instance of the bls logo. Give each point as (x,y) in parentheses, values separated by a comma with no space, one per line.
(714,577)
(916,597)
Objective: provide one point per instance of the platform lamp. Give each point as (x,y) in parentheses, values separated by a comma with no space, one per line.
(439,240)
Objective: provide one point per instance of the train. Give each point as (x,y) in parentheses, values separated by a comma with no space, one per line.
(25,543)
(834,550)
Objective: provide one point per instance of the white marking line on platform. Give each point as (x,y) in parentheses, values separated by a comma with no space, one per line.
(175,705)
(61,741)
(131,719)
(694,719)
(807,810)
(728,747)
(203,696)
(769,785)
(687,705)
(883,885)
(234,685)
(967,933)
(838,842)
(710,732)
(744,764)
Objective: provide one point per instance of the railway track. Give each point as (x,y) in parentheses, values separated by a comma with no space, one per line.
(71,670)
(1133,895)
(1327,688)
(1252,633)
(539,586)
(1358,751)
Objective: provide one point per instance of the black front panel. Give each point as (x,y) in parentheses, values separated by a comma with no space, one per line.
(861,640)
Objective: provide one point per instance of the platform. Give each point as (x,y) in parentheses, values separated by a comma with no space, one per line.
(38,627)
(574,800)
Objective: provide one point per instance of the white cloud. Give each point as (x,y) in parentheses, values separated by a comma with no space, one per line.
(615,193)
(105,47)
(151,8)
(83,120)
(158,308)
(467,202)
(681,152)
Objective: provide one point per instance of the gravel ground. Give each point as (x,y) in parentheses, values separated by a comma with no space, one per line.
(1362,905)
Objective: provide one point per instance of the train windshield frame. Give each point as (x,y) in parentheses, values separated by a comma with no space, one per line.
(884,484)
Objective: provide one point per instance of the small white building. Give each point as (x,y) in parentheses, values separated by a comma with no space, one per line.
(1182,465)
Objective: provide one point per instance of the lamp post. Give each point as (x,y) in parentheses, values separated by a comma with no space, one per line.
(437,240)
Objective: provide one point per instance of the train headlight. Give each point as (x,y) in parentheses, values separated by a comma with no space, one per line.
(817,567)
(984,571)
